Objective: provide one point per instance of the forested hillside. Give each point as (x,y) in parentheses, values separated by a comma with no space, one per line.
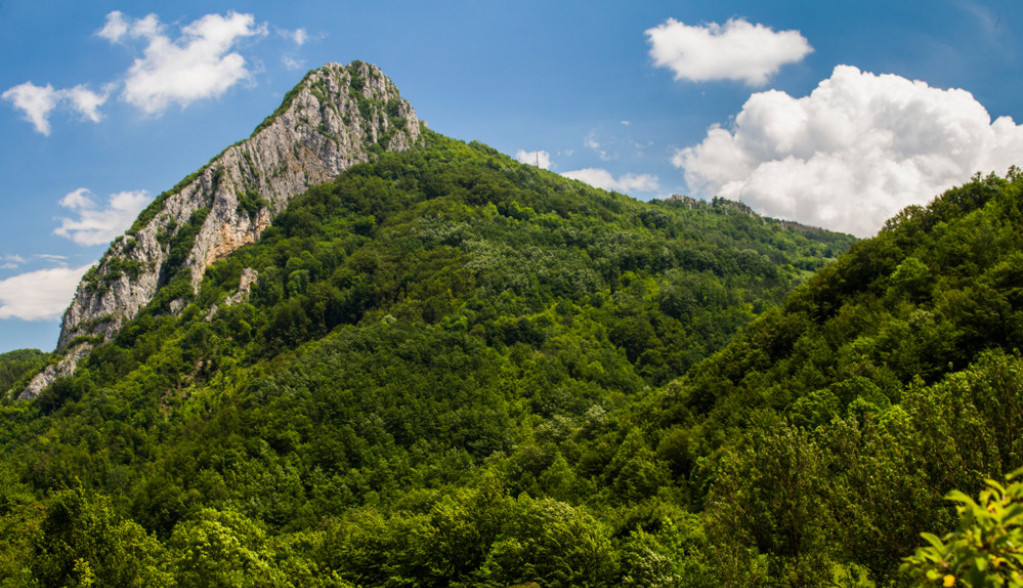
(433,371)
(14,365)
(820,443)
(445,368)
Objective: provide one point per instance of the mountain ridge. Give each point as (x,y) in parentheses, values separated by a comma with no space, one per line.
(442,330)
(444,367)
(335,117)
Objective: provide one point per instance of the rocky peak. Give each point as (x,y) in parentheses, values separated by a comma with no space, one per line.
(336,117)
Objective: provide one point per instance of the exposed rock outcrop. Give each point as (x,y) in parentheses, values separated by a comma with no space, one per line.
(336,117)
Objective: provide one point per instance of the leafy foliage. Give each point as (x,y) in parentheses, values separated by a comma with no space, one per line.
(456,370)
(986,549)
(15,365)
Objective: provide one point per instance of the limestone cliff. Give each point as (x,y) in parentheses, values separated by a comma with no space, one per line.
(336,117)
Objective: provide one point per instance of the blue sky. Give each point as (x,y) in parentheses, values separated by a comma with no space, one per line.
(830,113)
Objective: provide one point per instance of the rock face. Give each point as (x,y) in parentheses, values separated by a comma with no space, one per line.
(336,117)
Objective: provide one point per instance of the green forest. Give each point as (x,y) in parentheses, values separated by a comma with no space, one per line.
(454,370)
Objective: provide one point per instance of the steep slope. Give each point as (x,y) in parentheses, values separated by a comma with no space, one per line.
(933,291)
(392,362)
(14,365)
(825,436)
(336,117)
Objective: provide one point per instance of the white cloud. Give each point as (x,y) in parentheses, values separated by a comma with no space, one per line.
(116,27)
(853,153)
(736,51)
(86,102)
(11,261)
(36,102)
(601,178)
(539,158)
(199,64)
(39,295)
(96,227)
(77,199)
(292,63)
(590,141)
(298,36)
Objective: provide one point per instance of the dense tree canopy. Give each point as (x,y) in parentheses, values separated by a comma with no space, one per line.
(457,370)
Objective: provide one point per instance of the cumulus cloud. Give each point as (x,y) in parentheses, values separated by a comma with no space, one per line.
(86,102)
(199,64)
(738,50)
(38,102)
(96,226)
(854,152)
(115,28)
(539,158)
(39,295)
(118,27)
(601,178)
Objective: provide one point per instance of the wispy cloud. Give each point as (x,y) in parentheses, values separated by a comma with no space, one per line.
(987,19)
(601,178)
(293,63)
(590,141)
(853,153)
(11,261)
(737,50)
(297,36)
(96,226)
(39,295)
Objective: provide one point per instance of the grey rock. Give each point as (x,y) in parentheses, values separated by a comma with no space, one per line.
(331,121)
(65,366)
(249,277)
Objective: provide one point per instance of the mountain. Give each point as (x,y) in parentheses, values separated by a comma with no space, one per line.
(823,439)
(440,367)
(336,117)
(14,365)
